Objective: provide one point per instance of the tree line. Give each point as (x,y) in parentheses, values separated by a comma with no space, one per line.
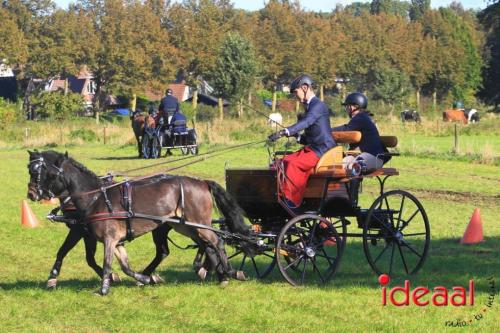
(395,51)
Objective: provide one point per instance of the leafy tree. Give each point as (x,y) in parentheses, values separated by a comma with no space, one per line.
(8,112)
(58,105)
(320,51)
(355,8)
(28,15)
(196,28)
(391,85)
(454,54)
(490,19)
(129,46)
(13,44)
(418,8)
(394,7)
(279,52)
(235,69)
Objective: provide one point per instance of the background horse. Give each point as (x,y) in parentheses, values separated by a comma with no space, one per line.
(139,121)
(160,196)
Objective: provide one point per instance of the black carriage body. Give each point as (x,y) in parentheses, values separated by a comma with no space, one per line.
(186,139)
(395,229)
(256,191)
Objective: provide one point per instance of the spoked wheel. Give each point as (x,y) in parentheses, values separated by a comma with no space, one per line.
(184,150)
(194,150)
(146,146)
(156,147)
(308,250)
(396,234)
(259,266)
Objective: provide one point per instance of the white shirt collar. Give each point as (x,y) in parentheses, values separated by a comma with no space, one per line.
(309,100)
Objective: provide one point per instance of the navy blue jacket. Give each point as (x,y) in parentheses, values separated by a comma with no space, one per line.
(370,138)
(180,126)
(168,105)
(316,123)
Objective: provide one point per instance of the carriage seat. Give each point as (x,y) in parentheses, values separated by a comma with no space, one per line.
(331,162)
(179,127)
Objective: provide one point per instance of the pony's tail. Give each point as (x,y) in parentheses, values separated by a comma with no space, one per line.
(229,208)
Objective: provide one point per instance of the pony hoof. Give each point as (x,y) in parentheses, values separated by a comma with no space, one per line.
(240,276)
(224,283)
(202,273)
(139,284)
(101,292)
(51,284)
(115,278)
(156,279)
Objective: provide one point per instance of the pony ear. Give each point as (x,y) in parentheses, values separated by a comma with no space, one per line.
(30,152)
(66,154)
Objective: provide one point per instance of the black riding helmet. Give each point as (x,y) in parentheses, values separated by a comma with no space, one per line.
(300,80)
(356,98)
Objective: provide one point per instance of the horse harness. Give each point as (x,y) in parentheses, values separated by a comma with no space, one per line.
(127,214)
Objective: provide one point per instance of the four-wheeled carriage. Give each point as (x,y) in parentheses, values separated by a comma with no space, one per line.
(156,138)
(308,247)
(186,141)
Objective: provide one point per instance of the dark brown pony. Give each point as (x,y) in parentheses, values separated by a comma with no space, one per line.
(161,196)
(139,121)
(78,230)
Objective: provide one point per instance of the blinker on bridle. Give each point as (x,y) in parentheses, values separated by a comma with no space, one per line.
(35,166)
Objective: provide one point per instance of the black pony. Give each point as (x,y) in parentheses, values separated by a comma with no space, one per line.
(118,212)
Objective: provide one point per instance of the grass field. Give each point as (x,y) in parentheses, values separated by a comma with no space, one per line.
(449,190)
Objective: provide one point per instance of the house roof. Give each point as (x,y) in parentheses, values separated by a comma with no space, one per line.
(209,100)
(179,91)
(56,85)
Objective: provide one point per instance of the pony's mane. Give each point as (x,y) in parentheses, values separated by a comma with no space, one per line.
(77,165)
(83,169)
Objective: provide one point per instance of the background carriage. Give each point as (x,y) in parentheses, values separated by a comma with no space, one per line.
(155,138)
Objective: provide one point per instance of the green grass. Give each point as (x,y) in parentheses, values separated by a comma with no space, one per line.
(449,191)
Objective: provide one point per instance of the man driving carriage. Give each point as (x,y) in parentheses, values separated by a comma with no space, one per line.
(317,139)
(168,106)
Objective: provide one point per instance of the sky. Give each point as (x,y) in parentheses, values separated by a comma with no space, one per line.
(325,5)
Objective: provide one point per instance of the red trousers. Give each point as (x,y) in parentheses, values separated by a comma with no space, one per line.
(298,167)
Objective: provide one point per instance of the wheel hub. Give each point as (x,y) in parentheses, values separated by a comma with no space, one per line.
(310,252)
(399,236)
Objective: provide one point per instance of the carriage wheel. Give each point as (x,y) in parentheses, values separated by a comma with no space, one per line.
(339,224)
(258,266)
(194,150)
(155,147)
(308,250)
(184,150)
(146,142)
(396,234)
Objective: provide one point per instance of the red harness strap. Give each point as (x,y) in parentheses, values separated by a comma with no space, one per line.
(116,215)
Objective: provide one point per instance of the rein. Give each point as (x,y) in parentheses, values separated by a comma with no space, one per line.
(162,172)
(127,172)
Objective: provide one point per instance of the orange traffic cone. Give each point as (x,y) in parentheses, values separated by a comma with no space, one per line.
(474,232)
(28,219)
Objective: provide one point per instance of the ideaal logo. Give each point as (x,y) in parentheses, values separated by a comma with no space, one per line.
(439,296)
(459,296)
